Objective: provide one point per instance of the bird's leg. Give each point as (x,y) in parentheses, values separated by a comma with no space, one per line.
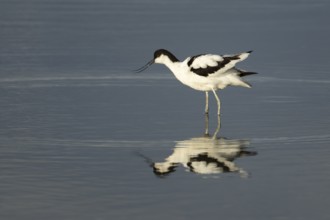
(206,133)
(218,128)
(207,102)
(218,101)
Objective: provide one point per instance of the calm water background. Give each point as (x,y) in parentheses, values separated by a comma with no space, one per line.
(77,126)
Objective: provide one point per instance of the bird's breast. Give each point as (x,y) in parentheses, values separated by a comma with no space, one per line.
(185,76)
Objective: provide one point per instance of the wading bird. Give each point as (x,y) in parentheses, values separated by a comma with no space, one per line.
(204,72)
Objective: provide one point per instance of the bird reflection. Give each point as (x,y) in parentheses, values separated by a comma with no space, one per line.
(204,155)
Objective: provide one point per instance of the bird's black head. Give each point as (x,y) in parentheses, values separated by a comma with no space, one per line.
(160,56)
(162,52)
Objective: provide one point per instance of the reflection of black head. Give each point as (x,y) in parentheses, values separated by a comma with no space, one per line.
(208,160)
(158,173)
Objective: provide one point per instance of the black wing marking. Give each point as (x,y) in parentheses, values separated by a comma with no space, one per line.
(209,160)
(212,69)
(193,58)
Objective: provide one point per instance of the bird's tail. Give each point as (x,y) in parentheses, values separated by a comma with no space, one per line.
(243,56)
(245,84)
(243,73)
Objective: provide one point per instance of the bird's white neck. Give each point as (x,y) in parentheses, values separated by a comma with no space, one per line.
(173,66)
(177,68)
(169,63)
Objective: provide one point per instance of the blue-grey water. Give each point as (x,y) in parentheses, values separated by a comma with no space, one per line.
(83,137)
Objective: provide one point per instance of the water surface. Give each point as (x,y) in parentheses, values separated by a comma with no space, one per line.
(82,137)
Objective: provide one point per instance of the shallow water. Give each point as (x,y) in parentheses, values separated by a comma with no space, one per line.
(82,137)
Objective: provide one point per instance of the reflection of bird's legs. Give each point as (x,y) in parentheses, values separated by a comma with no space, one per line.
(218,100)
(206,133)
(206,102)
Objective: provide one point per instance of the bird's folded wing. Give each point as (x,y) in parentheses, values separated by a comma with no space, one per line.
(206,64)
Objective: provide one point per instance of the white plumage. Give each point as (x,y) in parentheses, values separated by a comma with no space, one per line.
(206,60)
(204,72)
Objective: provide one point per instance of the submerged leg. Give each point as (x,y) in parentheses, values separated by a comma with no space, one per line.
(218,101)
(206,102)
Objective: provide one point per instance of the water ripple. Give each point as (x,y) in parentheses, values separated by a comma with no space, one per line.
(323,138)
(120,80)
